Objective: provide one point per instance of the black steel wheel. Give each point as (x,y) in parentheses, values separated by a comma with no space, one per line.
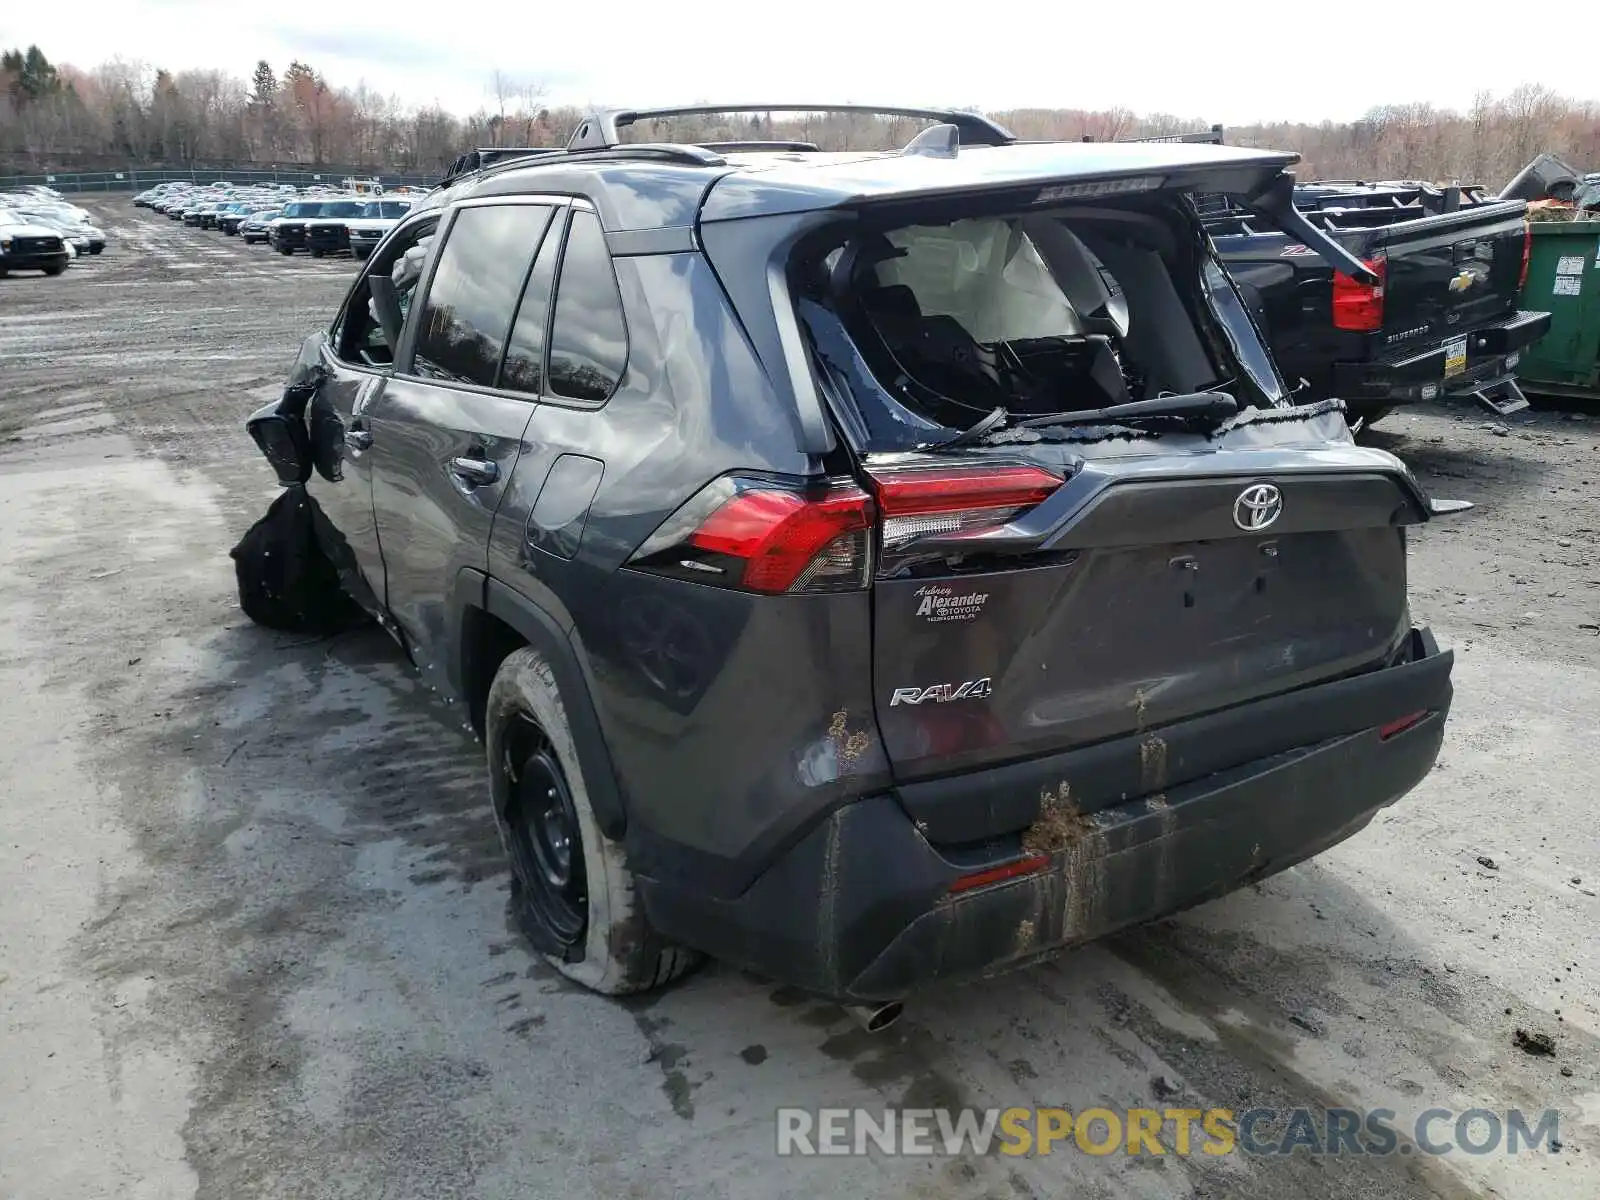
(572,894)
(545,840)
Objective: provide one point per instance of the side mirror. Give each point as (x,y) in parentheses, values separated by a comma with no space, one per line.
(284,441)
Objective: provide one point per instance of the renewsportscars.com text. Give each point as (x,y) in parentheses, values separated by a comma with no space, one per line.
(1157,1131)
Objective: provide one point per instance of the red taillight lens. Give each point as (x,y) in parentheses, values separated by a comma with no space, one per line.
(1031,865)
(1358,306)
(759,537)
(1527,254)
(789,542)
(952,489)
(936,500)
(1397,727)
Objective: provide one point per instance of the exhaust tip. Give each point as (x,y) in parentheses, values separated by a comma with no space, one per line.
(875,1018)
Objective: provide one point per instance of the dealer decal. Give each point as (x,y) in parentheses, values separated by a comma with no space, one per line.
(937,603)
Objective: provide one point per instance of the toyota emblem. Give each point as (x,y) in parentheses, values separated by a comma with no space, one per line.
(1258,506)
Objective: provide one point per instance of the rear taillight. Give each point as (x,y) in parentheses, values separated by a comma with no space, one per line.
(944,500)
(760,537)
(1527,254)
(1358,306)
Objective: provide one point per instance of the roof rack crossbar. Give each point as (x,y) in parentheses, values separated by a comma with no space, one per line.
(598,131)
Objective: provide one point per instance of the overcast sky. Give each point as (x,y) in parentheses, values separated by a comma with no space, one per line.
(1231,63)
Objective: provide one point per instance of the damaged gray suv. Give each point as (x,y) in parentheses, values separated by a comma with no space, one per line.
(871,569)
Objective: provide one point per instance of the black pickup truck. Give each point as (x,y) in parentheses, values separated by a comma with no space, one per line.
(1440,318)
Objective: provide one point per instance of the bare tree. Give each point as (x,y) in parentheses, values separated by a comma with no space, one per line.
(124,112)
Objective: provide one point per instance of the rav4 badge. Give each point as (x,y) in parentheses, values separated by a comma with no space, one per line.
(943,693)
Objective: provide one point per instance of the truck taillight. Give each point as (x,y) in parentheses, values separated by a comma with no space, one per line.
(956,499)
(1358,306)
(762,537)
(1527,254)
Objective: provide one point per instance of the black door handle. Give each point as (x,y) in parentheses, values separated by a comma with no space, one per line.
(474,472)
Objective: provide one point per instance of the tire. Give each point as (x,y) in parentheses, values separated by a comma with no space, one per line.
(316,253)
(55,269)
(360,255)
(585,919)
(286,251)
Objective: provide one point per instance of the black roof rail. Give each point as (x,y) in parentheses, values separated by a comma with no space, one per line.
(498,157)
(756,147)
(696,156)
(485,156)
(598,131)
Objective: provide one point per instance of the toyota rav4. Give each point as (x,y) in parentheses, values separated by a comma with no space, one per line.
(867,568)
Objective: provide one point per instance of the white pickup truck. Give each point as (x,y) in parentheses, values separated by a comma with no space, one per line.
(376,219)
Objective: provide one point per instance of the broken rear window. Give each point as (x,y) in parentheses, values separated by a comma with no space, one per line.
(933,325)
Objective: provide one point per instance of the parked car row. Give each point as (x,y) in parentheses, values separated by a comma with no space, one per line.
(320,221)
(41,231)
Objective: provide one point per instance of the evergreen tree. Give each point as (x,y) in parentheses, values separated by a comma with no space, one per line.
(28,75)
(264,85)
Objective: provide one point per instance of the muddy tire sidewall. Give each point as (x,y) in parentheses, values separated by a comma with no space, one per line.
(620,952)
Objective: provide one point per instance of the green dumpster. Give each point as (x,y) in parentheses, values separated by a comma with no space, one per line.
(1564,281)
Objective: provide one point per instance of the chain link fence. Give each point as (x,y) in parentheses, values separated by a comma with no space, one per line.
(138,178)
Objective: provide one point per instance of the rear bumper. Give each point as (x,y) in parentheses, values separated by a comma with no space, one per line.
(1421,376)
(861,908)
(329,240)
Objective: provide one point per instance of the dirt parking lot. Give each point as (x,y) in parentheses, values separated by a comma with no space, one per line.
(253,931)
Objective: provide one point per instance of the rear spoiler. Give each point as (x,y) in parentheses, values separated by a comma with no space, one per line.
(1207,137)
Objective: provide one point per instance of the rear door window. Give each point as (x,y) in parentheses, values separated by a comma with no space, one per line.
(524,365)
(474,292)
(589,337)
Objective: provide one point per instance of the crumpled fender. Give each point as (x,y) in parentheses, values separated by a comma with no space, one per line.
(293,431)
(303,397)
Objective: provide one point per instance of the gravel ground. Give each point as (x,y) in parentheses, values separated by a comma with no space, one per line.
(253,934)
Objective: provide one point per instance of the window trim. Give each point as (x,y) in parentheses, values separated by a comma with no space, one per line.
(405,353)
(546,395)
(542,396)
(335,331)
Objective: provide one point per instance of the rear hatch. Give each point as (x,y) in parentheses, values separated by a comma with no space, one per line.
(1131,594)
(1048,579)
